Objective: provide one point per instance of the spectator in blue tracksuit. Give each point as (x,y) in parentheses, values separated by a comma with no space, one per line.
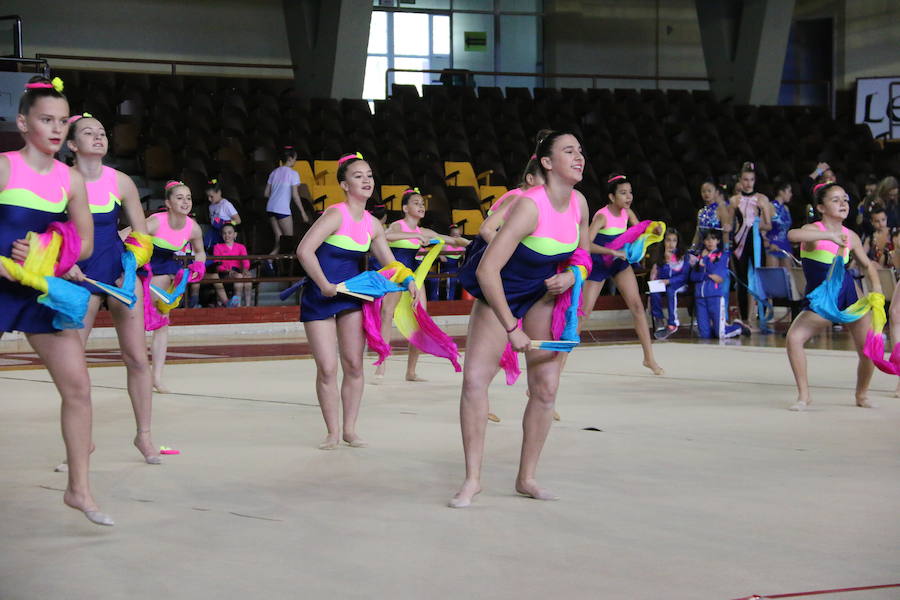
(673,267)
(711,291)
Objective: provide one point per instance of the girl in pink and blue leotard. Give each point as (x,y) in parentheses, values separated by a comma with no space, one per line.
(331,252)
(608,223)
(820,243)
(515,278)
(406,239)
(111,192)
(172,231)
(36,190)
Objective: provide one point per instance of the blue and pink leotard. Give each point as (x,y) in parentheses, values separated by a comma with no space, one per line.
(615,226)
(166,242)
(339,256)
(536,257)
(817,264)
(29,202)
(405,251)
(105,264)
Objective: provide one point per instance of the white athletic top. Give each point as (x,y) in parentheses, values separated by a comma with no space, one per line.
(281,180)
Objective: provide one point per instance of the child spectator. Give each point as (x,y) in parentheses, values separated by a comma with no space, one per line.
(221,212)
(711,291)
(879,244)
(232,269)
(672,268)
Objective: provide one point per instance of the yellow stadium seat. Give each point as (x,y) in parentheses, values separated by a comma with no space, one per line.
(327,195)
(472,220)
(462,174)
(307,181)
(305,172)
(488,194)
(326,172)
(392,190)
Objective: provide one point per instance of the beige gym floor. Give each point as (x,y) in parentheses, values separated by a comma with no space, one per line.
(699,486)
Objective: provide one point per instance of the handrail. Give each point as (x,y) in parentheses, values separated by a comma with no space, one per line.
(592,76)
(174,63)
(30,61)
(18,49)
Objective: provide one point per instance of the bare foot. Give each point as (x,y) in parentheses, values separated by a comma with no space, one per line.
(863,402)
(555,416)
(493,418)
(85,503)
(414,377)
(653,366)
(800,405)
(160,388)
(63,467)
(530,488)
(331,442)
(354,441)
(145,446)
(463,498)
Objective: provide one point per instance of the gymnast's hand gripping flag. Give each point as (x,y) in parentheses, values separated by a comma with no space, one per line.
(823,300)
(564,320)
(372,283)
(50,255)
(635,240)
(394,272)
(138,249)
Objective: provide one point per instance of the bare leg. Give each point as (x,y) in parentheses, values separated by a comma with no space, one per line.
(130,330)
(220,289)
(159,343)
(63,355)
(866,367)
(89,318)
(627,285)
(159,346)
(323,344)
(388,304)
(276,231)
(806,325)
(485,342)
(352,343)
(543,382)
(412,359)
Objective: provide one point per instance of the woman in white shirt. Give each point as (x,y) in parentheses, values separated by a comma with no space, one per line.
(282,187)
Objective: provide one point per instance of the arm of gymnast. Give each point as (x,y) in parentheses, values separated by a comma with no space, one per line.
(326,225)
(862,260)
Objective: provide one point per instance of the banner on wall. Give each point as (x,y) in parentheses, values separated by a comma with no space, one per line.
(878,105)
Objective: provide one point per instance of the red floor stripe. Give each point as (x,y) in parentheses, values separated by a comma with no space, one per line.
(821,592)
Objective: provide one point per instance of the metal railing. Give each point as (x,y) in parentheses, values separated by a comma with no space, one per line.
(172,63)
(593,77)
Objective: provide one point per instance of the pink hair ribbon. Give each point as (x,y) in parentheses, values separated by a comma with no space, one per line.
(344,159)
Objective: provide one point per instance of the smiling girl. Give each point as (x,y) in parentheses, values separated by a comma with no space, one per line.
(330,253)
